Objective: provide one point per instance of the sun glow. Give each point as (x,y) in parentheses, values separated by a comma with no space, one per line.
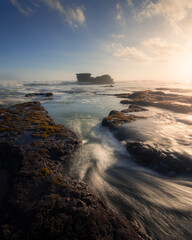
(185,68)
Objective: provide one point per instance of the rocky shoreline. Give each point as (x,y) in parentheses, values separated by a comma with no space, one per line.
(146,153)
(38,200)
(172,102)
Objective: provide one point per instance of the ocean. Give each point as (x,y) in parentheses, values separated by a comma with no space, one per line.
(161,204)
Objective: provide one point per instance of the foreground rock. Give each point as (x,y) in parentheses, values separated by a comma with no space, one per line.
(173,102)
(116,119)
(159,159)
(38,200)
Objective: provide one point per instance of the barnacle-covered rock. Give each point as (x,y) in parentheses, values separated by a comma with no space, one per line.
(38,200)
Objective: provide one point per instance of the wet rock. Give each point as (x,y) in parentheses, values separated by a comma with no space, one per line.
(178,108)
(159,159)
(48,94)
(134,108)
(116,119)
(40,201)
(173,102)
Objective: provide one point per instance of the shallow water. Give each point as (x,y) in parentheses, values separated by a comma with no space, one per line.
(161,205)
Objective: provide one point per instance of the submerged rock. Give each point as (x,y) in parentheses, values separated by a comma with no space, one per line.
(159,159)
(116,119)
(39,201)
(48,94)
(173,102)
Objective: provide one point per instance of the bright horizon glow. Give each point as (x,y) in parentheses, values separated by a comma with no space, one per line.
(129,40)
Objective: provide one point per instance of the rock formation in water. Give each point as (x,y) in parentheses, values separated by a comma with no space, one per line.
(86,78)
(48,94)
(38,200)
(159,159)
(146,153)
(116,119)
(173,102)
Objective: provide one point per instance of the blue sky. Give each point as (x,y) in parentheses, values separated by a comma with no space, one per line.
(128,39)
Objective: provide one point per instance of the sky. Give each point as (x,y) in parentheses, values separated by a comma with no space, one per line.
(127,39)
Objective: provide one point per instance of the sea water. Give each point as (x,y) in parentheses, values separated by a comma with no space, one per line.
(161,205)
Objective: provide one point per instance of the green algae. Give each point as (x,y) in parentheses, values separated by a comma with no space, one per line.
(44,172)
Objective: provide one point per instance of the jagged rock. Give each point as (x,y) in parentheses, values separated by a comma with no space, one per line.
(116,119)
(159,159)
(48,94)
(39,201)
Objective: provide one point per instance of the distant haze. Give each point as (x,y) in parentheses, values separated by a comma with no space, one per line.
(127,39)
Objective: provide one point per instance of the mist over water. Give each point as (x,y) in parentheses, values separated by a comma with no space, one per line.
(161,205)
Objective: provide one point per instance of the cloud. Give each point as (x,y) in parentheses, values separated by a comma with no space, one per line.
(119,15)
(73,16)
(173,10)
(160,46)
(163,49)
(118,36)
(127,53)
(21,8)
(129,2)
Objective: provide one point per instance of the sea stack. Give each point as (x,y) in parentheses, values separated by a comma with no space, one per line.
(86,78)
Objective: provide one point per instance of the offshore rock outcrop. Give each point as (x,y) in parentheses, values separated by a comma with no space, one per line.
(86,78)
(38,200)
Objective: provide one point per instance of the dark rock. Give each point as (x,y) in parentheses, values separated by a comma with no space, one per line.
(173,102)
(159,159)
(178,108)
(134,108)
(122,95)
(49,94)
(86,78)
(116,119)
(40,201)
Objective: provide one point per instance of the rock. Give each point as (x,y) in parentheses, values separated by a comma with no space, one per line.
(173,102)
(159,159)
(116,119)
(40,201)
(134,108)
(86,78)
(178,108)
(48,94)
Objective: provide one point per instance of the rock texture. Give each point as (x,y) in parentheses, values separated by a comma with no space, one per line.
(116,119)
(39,201)
(159,159)
(134,108)
(173,102)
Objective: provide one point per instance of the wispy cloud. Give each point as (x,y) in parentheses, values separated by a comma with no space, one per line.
(173,10)
(118,36)
(129,2)
(119,16)
(127,53)
(26,10)
(163,49)
(73,16)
